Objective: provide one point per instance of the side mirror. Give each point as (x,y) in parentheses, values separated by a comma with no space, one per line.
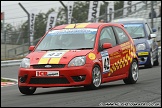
(31,48)
(107,45)
(152,35)
(154,30)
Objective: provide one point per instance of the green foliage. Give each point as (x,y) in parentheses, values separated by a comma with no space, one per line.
(118,5)
(80,12)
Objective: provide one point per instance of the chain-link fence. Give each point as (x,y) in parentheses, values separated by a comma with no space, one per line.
(14,45)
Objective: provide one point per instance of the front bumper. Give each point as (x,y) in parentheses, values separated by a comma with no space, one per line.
(143,57)
(68,76)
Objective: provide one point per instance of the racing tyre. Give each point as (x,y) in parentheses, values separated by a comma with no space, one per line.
(133,73)
(151,61)
(156,63)
(27,90)
(96,78)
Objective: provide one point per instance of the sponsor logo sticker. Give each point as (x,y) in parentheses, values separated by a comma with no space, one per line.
(47,73)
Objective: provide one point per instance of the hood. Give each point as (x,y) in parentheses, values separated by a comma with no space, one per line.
(55,57)
(137,41)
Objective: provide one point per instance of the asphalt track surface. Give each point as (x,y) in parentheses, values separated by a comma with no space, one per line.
(146,93)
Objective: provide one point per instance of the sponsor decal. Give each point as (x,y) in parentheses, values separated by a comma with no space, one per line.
(72,31)
(47,73)
(105,61)
(51,54)
(92,56)
(143,53)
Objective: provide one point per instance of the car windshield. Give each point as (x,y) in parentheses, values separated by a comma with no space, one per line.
(135,30)
(66,39)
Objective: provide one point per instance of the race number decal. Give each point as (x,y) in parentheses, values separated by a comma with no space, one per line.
(105,61)
(53,54)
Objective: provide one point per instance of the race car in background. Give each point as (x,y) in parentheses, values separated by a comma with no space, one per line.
(144,39)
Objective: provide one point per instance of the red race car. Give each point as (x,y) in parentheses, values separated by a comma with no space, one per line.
(83,54)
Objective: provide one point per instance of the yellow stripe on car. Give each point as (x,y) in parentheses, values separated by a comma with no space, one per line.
(70,26)
(43,61)
(82,25)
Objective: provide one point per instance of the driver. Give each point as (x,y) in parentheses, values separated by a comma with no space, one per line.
(66,39)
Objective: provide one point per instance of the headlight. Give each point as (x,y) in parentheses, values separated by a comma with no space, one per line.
(25,63)
(77,61)
(141,47)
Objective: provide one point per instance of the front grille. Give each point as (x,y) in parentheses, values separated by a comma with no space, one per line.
(48,81)
(41,66)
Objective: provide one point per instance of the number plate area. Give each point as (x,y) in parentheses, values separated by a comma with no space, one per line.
(47,73)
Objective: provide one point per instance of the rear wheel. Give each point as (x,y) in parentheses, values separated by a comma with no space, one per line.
(96,78)
(27,90)
(133,73)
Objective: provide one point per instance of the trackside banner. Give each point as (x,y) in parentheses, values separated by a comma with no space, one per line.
(32,21)
(94,10)
(51,20)
(70,11)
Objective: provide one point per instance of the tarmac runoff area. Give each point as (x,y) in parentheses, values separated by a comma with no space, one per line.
(8,83)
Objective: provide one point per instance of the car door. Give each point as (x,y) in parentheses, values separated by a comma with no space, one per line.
(109,56)
(126,51)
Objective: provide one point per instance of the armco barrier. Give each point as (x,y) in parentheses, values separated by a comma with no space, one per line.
(10,62)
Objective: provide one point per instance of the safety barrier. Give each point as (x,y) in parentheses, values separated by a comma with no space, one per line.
(10,63)
(17,62)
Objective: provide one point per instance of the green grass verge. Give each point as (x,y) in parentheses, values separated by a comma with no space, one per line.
(6,80)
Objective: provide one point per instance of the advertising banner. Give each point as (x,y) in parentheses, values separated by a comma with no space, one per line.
(51,22)
(94,10)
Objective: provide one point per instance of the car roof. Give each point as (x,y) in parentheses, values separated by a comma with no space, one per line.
(83,25)
(130,20)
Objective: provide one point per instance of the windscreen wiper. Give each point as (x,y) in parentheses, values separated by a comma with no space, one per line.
(137,37)
(83,48)
(53,49)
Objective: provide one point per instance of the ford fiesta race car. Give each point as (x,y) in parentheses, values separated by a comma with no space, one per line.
(83,54)
(144,39)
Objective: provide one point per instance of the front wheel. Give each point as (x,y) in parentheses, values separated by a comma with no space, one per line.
(151,61)
(133,73)
(27,90)
(156,63)
(96,78)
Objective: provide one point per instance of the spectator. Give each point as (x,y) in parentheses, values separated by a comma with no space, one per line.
(154,14)
(159,12)
(101,21)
